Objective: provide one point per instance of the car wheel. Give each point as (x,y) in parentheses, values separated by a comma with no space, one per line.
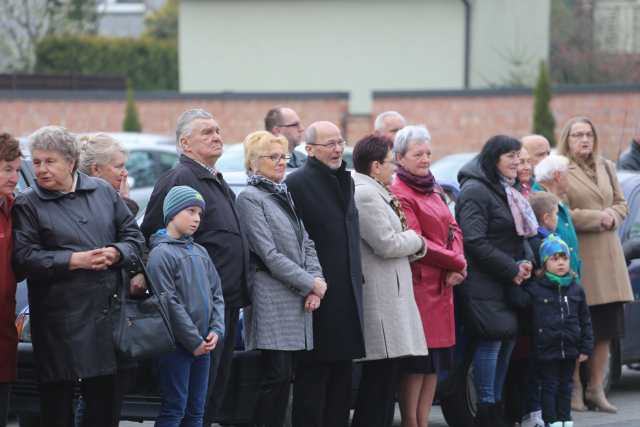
(458,398)
(28,420)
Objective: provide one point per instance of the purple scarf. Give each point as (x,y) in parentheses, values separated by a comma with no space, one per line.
(421,184)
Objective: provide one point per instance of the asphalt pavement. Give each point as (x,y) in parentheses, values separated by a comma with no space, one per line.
(625,395)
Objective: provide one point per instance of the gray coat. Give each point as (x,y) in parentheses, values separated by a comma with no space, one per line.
(392,325)
(286,266)
(183,269)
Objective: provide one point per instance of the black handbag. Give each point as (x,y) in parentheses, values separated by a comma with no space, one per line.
(142,326)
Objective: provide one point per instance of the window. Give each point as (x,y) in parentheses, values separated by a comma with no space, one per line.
(141,169)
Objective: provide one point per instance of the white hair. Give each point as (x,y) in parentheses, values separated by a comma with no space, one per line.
(409,134)
(379,123)
(546,169)
(184,128)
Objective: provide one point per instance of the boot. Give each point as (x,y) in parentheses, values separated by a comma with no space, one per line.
(567,424)
(556,424)
(577,399)
(595,398)
(532,419)
(484,417)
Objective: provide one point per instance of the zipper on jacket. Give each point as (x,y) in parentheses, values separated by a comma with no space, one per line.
(561,319)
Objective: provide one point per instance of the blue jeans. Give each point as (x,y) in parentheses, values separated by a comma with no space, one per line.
(183,380)
(490,364)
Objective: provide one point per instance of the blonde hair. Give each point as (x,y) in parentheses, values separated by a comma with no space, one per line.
(98,149)
(563,144)
(543,202)
(257,143)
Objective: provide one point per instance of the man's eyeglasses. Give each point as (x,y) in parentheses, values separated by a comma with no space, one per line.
(275,158)
(332,145)
(580,135)
(290,125)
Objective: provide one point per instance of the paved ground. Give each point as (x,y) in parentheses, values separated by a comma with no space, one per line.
(625,395)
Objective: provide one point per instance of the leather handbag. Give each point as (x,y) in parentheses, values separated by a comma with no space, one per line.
(142,326)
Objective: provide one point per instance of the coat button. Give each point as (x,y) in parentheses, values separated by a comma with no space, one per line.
(546,300)
(105,311)
(540,331)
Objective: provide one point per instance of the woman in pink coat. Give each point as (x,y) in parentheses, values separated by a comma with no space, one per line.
(434,275)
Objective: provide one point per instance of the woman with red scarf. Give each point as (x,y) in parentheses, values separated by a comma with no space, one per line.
(9,170)
(434,276)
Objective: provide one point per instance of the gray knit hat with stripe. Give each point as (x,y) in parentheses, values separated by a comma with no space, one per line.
(178,198)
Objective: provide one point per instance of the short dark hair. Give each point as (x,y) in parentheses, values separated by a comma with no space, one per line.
(369,149)
(490,154)
(543,202)
(273,118)
(9,148)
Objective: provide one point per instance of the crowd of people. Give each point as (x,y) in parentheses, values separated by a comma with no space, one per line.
(329,267)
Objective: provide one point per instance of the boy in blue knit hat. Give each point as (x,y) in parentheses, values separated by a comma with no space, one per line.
(182,268)
(561,329)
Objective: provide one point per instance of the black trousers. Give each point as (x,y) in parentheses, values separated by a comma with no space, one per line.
(375,405)
(322,392)
(102,404)
(5,388)
(273,397)
(221,359)
(556,380)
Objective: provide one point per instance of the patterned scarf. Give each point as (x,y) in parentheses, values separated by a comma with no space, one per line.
(261,181)
(395,205)
(523,216)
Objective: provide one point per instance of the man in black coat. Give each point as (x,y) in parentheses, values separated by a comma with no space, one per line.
(323,194)
(198,136)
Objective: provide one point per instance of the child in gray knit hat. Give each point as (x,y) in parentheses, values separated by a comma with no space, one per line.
(182,268)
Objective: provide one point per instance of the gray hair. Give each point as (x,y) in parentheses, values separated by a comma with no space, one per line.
(310,135)
(546,169)
(379,123)
(98,150)
(409,134)
(184,128)
(58,139)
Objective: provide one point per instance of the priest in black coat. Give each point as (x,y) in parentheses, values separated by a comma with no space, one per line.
(322,191)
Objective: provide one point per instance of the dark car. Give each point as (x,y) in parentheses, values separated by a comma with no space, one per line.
(456,390)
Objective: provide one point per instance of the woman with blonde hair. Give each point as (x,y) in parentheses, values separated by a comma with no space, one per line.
(598,208)
(288,282)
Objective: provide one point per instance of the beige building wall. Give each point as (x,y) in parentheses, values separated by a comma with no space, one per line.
(509,38)
(357,45)
(329,45)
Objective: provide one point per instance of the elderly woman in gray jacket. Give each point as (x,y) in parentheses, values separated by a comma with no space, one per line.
(392,325)
(288,282)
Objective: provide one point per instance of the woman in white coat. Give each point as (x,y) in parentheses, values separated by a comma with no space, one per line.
(392,325)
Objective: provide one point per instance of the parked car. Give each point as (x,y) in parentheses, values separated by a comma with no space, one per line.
(456,390)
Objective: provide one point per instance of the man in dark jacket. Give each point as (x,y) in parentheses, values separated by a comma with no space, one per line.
(323,194)
(631,159)
(198,137)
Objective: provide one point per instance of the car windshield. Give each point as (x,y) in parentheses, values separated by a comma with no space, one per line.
(232,159)
(447,168)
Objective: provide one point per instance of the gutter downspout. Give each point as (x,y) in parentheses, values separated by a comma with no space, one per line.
(467,41)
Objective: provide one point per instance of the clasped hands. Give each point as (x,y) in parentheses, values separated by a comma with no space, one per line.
(524,272)
(312,301)
(207,345)
(608,220)
(96,259)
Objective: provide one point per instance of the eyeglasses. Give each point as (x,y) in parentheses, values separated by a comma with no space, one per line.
(332,145)
(580,135)
(290,125)
(275,158)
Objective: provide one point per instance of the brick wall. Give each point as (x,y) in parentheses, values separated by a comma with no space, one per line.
(463,122)
(458,120)
(237,115)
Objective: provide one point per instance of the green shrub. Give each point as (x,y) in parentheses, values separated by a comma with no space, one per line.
(131,121)
(543,122)
(149,64)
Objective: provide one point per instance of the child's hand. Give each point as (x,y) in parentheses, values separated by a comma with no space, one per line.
(582,358)
(137,285)
(211,341)
(202,349)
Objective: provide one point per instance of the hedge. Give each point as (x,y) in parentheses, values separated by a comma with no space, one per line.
(147,63)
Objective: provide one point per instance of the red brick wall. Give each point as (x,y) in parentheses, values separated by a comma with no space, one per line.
(237,117)
(463,123)
(459,121)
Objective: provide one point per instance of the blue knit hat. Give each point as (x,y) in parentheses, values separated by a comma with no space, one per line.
(178,198)
(553,245)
